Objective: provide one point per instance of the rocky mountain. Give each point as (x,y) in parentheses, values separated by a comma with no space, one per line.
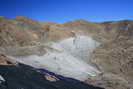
(113,57)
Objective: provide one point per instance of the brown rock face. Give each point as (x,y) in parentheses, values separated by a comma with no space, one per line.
(3,60)
(20,33)
(114,56)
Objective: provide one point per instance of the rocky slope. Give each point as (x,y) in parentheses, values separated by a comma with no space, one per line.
(113,57)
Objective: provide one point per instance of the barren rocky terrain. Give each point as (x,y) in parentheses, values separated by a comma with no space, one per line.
(113,57)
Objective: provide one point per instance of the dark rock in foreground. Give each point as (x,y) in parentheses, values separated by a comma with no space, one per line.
(25,77)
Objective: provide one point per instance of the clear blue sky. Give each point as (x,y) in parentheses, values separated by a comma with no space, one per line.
(66,10)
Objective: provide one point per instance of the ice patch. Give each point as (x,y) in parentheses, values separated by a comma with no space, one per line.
(2,79)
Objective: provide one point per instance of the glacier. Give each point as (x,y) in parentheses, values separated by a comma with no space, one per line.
(68,57)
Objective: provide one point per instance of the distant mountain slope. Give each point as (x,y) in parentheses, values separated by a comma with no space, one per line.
(14,32)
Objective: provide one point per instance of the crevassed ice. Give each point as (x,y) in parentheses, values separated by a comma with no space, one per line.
(70,58)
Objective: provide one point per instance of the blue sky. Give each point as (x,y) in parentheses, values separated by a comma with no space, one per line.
(66,10)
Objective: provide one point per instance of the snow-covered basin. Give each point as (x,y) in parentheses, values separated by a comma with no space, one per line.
(69,58)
